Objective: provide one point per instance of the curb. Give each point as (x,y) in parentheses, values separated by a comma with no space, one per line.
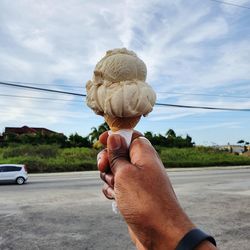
(168,170)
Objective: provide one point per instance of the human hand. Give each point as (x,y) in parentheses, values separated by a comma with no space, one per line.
(137,180)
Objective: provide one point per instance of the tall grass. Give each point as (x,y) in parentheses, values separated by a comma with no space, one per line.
(200,156)
(51,158)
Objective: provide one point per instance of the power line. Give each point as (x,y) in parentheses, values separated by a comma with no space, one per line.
(200,107)
(40,98)
(41,115)
(200,94)
(72,86)
(231,4)
(158,104)
(42,89)
(81,117)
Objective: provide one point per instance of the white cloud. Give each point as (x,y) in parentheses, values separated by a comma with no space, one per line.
(211,30)
(229,9)
(217,125)
(187,46)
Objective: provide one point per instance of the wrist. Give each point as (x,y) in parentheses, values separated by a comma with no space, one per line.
(173,231)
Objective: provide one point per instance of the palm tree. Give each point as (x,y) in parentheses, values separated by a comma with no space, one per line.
(96,132)
(171,133)
(103,127)
(94,135)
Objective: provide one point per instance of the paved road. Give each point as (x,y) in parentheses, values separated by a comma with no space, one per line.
(68,211)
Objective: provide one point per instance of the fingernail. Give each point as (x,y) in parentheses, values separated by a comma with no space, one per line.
(115,142)
(98,158)
(98,162)
(143,138)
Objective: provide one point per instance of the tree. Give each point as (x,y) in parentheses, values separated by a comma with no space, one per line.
(171,133)
(240,142)
(76,140)
(96,132)
(149,136)
(169,140)
(189,142)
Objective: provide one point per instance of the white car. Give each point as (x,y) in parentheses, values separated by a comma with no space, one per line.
(13,172)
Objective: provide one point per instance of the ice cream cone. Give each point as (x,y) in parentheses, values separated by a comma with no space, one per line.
(118,123)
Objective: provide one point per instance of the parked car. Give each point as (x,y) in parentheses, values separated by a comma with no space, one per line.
(13,173)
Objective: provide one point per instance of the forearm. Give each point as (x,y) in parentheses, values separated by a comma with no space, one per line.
(169,236)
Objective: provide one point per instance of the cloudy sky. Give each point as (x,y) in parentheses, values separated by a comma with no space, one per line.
(197,53)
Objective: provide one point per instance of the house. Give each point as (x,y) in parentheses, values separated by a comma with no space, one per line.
(27,130)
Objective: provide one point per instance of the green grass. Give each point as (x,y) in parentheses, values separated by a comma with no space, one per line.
(51,158)
(200,156)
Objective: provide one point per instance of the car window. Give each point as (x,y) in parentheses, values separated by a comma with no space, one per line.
(10,169)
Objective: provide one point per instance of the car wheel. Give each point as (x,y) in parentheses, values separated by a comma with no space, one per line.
(20,180)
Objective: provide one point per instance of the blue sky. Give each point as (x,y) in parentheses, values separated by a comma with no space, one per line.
(196,52)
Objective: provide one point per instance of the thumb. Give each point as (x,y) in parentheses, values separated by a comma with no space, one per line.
(118,152)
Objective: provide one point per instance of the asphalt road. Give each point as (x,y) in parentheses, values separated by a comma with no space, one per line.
(68,211)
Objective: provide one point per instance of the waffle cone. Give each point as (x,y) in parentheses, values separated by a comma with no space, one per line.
(117,123)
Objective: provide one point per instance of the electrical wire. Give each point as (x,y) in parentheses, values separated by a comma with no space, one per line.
(45,115)
(231,4)
(39,114)
(200,107)
(72,86)
(40,98)
(158,104)
(225,115)
(200,94)
(42,89)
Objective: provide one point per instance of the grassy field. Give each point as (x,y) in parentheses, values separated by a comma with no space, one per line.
(199,157)
(51,158)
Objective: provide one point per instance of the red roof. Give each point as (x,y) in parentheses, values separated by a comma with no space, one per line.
(28,130)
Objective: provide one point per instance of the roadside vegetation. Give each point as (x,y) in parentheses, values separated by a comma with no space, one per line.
(58,153)
(200,157)
(50,158)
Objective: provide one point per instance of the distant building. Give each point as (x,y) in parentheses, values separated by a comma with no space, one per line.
(233,148)
(27,130)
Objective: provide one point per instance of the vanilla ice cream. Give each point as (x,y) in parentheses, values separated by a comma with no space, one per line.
(118,87)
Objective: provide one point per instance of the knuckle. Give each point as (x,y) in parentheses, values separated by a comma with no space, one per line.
(116,156)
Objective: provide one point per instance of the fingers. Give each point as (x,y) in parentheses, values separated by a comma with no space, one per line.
(103,138)
(103,161)
(135,135)
(117,153)
(142,153)
(108,178)
(108,191)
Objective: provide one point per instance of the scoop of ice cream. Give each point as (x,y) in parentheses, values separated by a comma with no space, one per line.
(118,87)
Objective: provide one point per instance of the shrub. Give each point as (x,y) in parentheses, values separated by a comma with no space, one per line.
(43,151)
